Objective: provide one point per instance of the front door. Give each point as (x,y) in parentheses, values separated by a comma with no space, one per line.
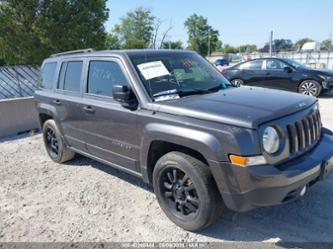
(109,128)
(276,76)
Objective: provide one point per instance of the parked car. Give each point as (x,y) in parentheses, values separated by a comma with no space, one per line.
(221,62)
(170,118)
(283,74)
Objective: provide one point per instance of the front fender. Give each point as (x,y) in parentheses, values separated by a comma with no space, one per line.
(205,143)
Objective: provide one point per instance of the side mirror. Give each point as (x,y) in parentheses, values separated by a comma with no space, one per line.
(125,96)
(288,69)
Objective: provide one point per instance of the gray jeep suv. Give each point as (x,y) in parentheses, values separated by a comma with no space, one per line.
(172,119)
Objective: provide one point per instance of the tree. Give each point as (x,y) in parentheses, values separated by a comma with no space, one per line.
(278,45)
(172,45)
(327,44)
(248,48)
(112,41)
(228,49)
(136,29)
(31,30)
(201,36)
(299,44)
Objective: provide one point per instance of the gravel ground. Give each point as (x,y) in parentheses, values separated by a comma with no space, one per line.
(84,200)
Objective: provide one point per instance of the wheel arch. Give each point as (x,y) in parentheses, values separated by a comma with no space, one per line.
(159,139)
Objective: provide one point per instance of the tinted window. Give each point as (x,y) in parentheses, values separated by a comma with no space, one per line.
(103,75)
(48,74)
(252,65)
(70,76)
(275,64)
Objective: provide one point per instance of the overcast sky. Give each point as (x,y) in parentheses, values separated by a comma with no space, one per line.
(239,21)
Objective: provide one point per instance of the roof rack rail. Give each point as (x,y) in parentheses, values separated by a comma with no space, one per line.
(88,50)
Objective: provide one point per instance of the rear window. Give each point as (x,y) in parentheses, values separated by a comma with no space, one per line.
(48,73)
(252,65)
(70,76)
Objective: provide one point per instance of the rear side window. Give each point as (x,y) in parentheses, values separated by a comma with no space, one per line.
(252,65)
(48,72)
(70,76)
(102,76)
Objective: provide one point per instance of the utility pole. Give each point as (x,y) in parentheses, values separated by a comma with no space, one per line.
(271,44)
(209,43)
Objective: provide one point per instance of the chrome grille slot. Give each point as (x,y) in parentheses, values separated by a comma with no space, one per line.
(304,133)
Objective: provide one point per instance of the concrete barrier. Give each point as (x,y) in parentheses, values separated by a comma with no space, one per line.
(17,115)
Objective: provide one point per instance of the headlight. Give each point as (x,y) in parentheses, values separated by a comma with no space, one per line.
(270,140)
(323,77)
(316,107)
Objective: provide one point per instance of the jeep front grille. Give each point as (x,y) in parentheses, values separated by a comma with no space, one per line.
(304,134)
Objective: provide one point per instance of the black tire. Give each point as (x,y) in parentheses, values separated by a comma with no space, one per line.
(54,143)
(310,87)
(237,82)
(195,202)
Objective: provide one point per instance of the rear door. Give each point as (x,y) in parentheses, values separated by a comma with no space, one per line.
(67,101)
(109,129)
(251,72)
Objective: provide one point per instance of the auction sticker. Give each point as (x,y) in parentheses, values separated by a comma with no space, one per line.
(153,69)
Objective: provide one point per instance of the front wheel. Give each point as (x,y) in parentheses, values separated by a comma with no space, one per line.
(186,191)
(310,87)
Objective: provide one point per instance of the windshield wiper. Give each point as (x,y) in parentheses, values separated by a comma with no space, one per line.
(188,91)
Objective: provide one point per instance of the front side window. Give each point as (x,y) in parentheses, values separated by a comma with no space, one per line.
(70,76)
(102,76)
(275,65)
(251,65)
(48,73)
(177,74)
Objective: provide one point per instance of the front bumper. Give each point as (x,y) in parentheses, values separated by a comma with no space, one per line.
(328,85)
(246,188)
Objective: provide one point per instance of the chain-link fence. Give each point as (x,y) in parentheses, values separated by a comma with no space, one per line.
(18,81)
(320,59)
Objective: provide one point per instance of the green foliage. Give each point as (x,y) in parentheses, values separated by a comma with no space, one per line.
(228,49)
(172,45)
(299,44)
(200,34)
(112,41)
(31,30)
(248,48)
(135,29)
(327,44)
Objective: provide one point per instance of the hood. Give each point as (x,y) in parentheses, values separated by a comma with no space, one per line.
(325,72)
(244,106)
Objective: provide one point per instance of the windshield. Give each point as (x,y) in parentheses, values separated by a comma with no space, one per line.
(295,63)
(169,75)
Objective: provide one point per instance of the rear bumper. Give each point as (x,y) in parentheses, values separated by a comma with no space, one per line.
(246,188)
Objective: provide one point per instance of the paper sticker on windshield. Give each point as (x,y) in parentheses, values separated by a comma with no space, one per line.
(153,69)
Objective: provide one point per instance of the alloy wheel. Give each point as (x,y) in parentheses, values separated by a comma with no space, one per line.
(52,142)
(309,88)
(179,192)
(237,82)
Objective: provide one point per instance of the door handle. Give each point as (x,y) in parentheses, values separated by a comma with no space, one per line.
(57,102)
(89,109)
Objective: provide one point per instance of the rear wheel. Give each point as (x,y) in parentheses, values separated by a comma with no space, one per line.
(186,191)
(310,87)
(237,82)
(54,143)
